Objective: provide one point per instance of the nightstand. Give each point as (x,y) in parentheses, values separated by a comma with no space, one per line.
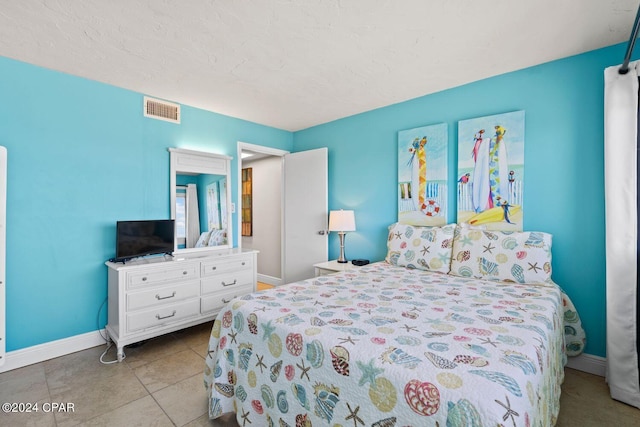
(324,268)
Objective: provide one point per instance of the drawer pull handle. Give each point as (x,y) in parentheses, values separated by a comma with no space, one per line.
(144,279)
(242,262)
(184,273)
(165,317)
(226,301)
(158,297)
(213,268)
(230,284)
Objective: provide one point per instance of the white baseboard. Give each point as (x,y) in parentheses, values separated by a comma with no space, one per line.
(41,352)
(269,280)
(595,365)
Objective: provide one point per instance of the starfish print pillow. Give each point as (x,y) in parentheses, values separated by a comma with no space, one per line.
(520,257)
(422,248)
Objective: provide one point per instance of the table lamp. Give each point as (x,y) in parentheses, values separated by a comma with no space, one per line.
(342,221)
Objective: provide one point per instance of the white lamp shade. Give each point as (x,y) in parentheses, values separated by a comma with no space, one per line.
(342,221)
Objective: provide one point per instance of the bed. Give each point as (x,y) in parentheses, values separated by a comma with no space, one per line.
(457,327)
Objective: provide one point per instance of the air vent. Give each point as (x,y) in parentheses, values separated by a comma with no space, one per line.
(161,110)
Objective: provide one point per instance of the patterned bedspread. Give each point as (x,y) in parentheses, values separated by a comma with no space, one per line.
(389,346)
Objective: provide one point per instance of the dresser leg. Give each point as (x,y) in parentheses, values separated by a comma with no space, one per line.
(120,353)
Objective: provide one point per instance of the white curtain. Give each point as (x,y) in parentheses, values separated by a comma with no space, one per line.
(193,216)
(621,131)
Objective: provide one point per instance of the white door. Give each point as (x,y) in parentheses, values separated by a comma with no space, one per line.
(305,213)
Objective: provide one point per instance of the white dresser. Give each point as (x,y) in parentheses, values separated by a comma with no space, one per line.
(155,296)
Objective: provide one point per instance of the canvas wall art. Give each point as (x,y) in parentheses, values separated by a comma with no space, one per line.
(491,171)
(422,175)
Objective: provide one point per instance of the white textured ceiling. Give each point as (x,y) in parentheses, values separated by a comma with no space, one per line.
(295,64)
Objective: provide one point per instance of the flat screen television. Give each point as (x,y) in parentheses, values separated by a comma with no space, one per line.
(140,238)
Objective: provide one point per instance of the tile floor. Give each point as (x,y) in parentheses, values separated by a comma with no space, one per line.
(160,384)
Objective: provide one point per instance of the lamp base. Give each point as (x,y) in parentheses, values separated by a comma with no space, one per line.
(342,259)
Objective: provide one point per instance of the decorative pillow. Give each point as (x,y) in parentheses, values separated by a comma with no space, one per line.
(472,227)
(203,239)
(217,237)
(522,257)
(424,248)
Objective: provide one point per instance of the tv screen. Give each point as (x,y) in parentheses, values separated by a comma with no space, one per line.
(147,237)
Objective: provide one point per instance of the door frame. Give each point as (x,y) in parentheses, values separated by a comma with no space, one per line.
(271,152)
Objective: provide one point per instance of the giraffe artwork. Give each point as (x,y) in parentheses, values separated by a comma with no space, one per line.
(422,175)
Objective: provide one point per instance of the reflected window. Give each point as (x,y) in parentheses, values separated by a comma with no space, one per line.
(181,218)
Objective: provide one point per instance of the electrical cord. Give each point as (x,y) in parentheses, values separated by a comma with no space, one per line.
(110,362)
(106,339)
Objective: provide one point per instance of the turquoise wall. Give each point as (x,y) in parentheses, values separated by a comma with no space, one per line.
(564,181)
(80,157)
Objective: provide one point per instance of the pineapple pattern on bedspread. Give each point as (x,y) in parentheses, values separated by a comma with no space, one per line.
(389,346)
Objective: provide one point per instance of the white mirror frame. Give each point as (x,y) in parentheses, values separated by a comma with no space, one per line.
(190,161)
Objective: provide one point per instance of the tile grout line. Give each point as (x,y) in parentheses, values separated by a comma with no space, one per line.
(46,380)
(124,404)
(163,388)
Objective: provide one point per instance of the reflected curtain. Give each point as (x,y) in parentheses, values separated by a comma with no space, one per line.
(621,209)
(193,216)
(213,206)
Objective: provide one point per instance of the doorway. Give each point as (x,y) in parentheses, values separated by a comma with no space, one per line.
(303,218)
(264,165)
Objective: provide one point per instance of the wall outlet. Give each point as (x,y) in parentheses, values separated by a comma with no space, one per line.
(233,208)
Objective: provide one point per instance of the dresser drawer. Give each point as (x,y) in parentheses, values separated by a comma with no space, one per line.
(227,264)
(164,315)
(216,302)
(163,295)
(222,282)
(156,276)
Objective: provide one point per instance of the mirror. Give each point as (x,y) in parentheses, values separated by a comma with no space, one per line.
(200,200)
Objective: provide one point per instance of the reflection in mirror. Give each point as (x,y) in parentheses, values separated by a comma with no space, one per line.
(200,197)
(201,210)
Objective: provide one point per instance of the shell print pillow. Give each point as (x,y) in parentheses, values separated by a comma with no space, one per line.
(423,248)
(521,257)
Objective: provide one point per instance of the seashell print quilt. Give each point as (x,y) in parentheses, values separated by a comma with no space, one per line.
(390,346)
